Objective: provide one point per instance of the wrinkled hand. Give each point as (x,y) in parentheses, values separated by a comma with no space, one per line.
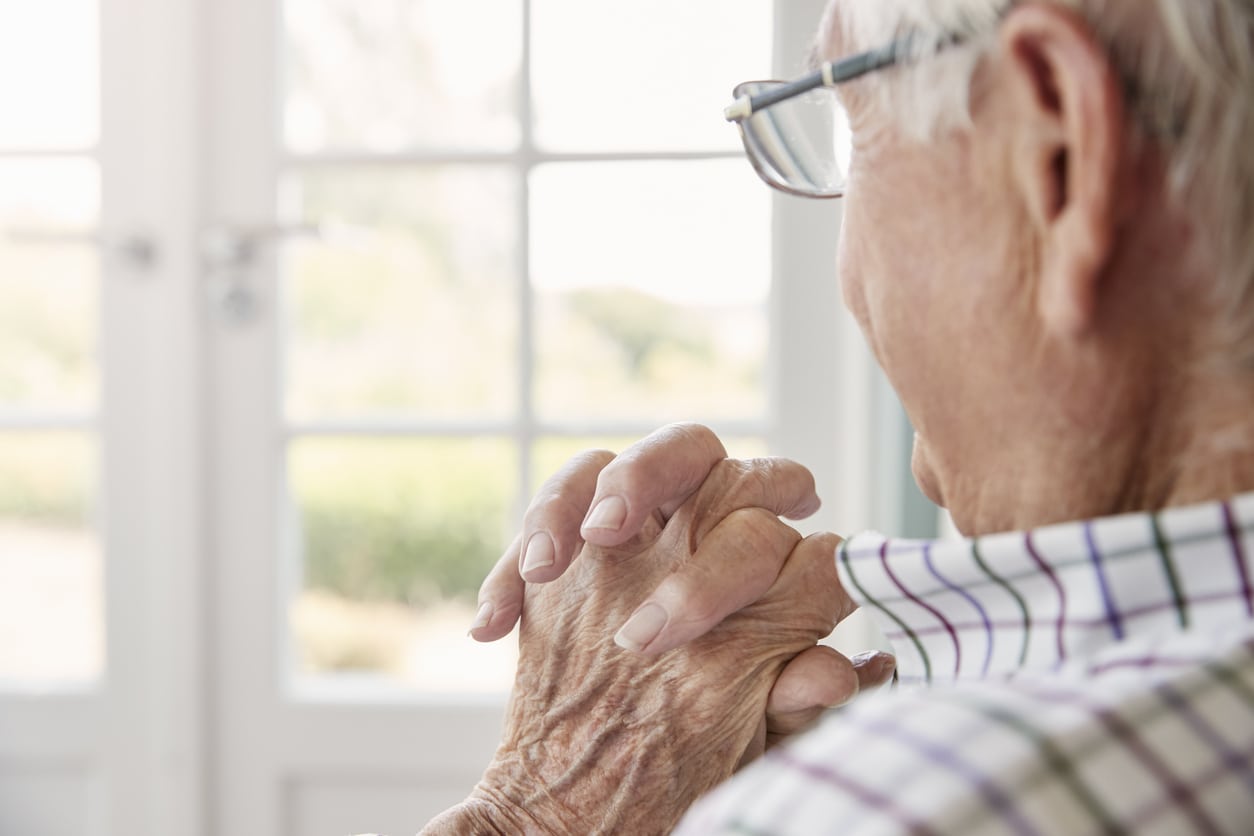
(599,739)
(645,485)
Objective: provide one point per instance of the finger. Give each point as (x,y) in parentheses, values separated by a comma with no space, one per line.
(819,679)
(735,565)
(778,485)
(874,668)
(658,472)
(815,680)
(811,569)
(500,598)
(551,536)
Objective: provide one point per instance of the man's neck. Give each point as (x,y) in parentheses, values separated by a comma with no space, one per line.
(1195,445)
(1202,448)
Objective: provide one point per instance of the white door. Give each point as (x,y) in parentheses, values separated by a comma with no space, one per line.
(428,216)
(99,707)
(299,300)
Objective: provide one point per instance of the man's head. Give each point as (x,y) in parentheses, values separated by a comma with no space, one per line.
(1049,241)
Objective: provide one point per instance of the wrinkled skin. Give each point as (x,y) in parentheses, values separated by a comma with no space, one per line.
(601,740)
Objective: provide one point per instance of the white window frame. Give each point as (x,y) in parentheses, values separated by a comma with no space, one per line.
(136,737)
(194,730)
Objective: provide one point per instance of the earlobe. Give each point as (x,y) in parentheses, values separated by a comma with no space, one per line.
(1068,141)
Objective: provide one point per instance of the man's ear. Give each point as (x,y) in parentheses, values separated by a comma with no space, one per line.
(1068,139)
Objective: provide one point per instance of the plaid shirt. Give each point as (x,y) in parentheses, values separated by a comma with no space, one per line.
(1093,677)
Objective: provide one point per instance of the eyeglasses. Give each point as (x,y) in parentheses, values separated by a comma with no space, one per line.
(797,133)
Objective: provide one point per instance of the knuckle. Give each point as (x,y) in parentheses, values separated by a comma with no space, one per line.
(762,477)
(688,429)
(779,483)
(762,531)
(628,474)
(691,435)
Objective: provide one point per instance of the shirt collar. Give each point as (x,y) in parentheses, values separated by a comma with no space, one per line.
(999,604)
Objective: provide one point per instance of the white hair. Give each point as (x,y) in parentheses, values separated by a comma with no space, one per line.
(1188,72)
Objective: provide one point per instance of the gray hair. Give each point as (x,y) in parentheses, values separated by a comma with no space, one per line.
(1188,72)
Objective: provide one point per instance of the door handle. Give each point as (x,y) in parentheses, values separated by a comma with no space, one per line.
(228,253)
(135,251)
(229,247)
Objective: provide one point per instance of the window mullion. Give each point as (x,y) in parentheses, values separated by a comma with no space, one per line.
(525,433)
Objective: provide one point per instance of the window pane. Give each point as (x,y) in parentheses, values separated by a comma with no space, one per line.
(48,313)
(409,305)
(49,74)
(51,618)
(652,282)
(394,537)
(49,195)
(649,74)
(389,75)
(48,288)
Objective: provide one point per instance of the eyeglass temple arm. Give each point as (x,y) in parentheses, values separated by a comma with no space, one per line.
(827,75)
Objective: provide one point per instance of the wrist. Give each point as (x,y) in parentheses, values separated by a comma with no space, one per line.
(482,814)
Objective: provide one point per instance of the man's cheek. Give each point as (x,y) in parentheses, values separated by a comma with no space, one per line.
(851,287)
(924,472)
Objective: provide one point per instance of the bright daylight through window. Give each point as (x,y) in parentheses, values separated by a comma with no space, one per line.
(52,598)
(518,258)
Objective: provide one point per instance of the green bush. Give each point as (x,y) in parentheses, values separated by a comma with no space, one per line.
(401,520)
(380,554)
(47,478)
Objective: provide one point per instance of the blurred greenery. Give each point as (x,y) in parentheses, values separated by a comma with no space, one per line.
(408,306)
(47,477)
(416,316)
(610,353)
(402,520)
(47,327)
(641,324)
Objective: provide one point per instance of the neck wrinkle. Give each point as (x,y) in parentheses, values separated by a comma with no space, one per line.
(1208,454)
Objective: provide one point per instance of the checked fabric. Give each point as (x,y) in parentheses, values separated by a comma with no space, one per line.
(1089,678)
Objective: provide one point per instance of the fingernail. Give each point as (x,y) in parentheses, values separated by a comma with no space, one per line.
(539,553)
(642,628)
(608,514)
(881,663)
(483,616)
(863,657)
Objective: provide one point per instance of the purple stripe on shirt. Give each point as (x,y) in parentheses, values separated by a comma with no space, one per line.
(1143,663)
(864,794)
(1112,614)
(972,600)
(946,754)
(939,616)
(1128,730)
(1163,806)
(1061,625)
(1183,795)
(1198,603)
(1238,554)
(1234,762)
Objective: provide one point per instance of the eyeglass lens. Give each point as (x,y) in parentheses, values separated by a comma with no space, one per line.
(802,144)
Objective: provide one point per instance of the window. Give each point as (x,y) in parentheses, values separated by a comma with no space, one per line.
(532,237)
(51,600)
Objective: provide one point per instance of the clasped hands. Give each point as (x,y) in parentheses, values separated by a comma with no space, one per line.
(669,633)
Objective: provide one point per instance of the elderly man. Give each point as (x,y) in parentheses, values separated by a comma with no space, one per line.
(1048,239)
